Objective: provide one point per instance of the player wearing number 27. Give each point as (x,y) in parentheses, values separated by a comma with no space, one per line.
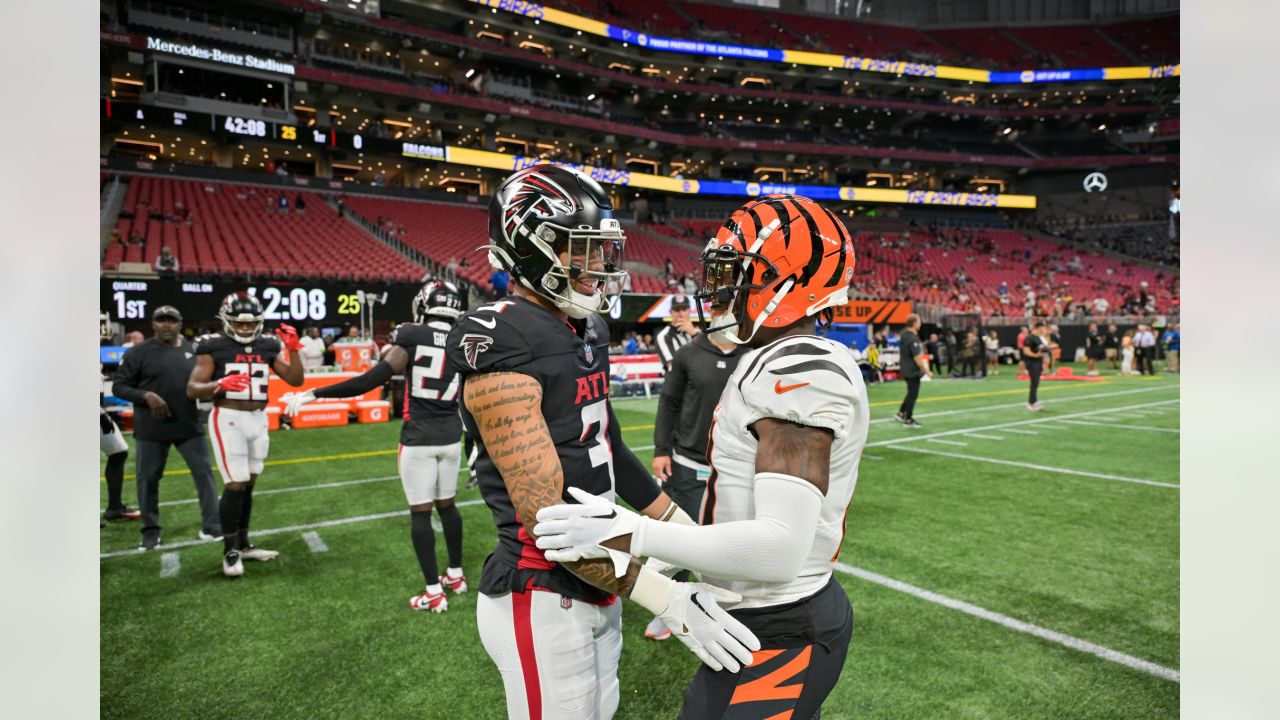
(430,437)
(234,367)
(785,443)
(535,394)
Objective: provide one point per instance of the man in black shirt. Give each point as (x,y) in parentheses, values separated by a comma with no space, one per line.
(1093,347)
(914,364)
(1033,354)
(153,376)
(1111,346)
(690,393)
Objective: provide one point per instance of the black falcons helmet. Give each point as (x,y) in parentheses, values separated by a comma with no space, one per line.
(543,211)
(437,299)
(241,307)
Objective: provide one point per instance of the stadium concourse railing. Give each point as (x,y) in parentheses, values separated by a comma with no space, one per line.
(475,102)
(402,28)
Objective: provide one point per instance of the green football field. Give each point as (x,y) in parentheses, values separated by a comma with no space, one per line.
(1001,564)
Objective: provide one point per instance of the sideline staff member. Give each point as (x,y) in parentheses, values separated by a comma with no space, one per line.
(1033,353)
(153,376)
(914,363)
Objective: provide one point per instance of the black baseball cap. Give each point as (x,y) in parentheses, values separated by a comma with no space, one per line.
(680,302)
(166,311)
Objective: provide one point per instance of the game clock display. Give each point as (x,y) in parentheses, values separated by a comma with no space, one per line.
(132,301)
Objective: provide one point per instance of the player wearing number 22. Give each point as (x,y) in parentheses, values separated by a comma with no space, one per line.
(430,437)
(535,390)
(785,443)
(234,367)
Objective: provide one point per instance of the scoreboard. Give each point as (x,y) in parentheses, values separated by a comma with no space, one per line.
(131,302)
(234,127)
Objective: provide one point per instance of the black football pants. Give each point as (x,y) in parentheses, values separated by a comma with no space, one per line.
(803,648)
(908,405)
(151,458)
(1034,370)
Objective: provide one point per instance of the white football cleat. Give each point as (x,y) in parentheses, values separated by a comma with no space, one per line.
(256,553)
(657,630)
(231,565)
(456,585)
(435,602)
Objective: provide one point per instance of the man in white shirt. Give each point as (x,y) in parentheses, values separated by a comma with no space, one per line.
(1100,306)
(1144,342)
(312,351)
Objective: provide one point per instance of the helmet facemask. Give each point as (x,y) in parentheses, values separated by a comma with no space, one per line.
(589,254)
(230,330)
(726,274)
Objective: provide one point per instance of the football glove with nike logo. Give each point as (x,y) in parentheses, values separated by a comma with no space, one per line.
(574,532)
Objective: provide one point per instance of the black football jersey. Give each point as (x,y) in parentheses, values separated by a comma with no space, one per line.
(570,360)
(253,359)
(431,386)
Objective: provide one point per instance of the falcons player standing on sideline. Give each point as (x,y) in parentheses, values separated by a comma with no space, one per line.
(431,435)
(535,394)
(233,367)
(785,444)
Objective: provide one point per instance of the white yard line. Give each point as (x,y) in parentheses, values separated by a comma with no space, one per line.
(983,437)
(1034,466)
(1007,425)
(1053,636)
(1016,431)
(1006,406)
(300,488)
(280,530)
(872,457)
(315,542)
(170,564)
(951,442)
(1124,426)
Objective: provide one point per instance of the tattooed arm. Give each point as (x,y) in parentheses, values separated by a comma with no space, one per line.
(507,408)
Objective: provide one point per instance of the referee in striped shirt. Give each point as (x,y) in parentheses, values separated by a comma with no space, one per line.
(676,335)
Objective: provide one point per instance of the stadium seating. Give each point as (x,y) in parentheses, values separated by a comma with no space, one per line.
(238,230)
(1073,45)
(925,267)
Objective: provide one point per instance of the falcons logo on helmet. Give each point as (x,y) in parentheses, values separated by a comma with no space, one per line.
(473,345)
(537,195)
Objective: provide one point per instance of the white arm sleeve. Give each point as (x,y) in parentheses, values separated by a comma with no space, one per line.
(768,548)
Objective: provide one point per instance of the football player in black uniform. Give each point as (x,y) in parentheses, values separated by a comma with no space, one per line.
(430,437)
(233,367)
(536,396)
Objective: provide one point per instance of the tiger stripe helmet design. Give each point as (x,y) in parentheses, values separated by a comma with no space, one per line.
(776,260)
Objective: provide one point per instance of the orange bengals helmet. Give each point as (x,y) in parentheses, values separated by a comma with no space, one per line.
(778,259)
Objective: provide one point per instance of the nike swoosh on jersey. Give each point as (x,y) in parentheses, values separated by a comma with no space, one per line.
(779,388)
(490,323)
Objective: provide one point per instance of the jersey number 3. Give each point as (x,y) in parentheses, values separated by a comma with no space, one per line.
(432,370)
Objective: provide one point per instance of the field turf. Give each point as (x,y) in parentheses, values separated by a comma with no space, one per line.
(1001,564)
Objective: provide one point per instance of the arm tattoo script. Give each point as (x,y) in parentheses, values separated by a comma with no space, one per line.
(792,449)
(507,408)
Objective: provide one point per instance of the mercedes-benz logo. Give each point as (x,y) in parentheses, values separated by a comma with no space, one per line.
(1095,181)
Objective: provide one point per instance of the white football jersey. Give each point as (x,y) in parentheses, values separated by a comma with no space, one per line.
(806,380)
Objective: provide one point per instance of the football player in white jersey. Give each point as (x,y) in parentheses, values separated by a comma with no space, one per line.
(785,445)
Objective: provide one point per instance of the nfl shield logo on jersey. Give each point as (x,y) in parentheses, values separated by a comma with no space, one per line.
(588,353)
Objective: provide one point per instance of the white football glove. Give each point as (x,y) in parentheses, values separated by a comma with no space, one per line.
(296,401)
(566,532)
(694,615)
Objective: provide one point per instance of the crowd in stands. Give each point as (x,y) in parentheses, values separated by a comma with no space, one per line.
(1152,241)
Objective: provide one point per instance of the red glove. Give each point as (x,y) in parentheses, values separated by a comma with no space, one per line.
(233,383)
(289,337)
